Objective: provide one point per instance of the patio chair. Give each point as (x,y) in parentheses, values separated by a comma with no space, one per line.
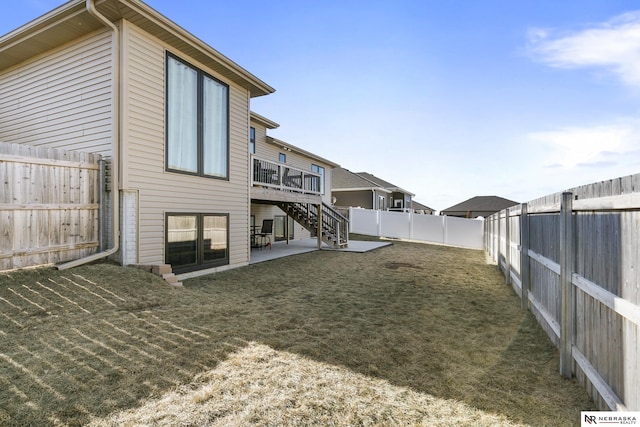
(265,232)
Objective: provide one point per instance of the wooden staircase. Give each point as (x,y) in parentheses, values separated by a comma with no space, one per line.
(335,227)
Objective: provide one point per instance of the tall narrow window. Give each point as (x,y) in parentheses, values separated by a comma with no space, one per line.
(282,158)
(214,128)
(252,140)
(197,121)
(182,117)
(320,171)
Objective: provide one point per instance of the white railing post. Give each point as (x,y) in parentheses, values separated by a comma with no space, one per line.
(566,270)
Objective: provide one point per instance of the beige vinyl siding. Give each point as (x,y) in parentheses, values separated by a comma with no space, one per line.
(162,191)
(271,152)
(61,99)
(261,141)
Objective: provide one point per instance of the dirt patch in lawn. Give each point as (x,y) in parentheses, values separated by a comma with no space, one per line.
(397,265)
(407,334)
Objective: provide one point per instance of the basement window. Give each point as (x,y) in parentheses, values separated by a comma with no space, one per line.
(196,241)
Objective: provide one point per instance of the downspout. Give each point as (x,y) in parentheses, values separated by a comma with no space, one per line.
(115,157)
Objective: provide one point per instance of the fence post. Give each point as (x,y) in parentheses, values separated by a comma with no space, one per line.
(494,230)
(507,251)
(102,209)
(524,257)
(411,225)
(566,270)
(486,236)
(350,220)
(445,234)
(498,240)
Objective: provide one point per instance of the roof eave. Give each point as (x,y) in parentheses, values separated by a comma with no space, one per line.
(293,148)
(71,20)
(56,27)
(400,190)
(380,189)
(256,86)
(263,121)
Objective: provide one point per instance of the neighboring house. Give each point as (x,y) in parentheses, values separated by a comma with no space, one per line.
(351,190)
(362,189)
(285,181)
(169,113)
(399,200)
(419,208)
(478,206)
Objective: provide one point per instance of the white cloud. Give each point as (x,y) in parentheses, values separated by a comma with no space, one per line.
(604,145)
(613,45)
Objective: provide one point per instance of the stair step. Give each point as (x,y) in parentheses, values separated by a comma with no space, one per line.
(307,216)
(161,269)
(170,278)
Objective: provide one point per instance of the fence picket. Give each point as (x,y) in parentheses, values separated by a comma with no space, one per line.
(579,258)
(49,205)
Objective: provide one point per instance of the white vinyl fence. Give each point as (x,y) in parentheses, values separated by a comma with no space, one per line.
(466,233)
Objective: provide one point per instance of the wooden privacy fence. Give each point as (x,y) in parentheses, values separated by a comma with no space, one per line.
(574,259)
(49,205)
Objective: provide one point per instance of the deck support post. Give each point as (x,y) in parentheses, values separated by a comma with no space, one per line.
(319,226)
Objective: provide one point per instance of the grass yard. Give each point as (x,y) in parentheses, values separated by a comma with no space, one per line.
(405,335)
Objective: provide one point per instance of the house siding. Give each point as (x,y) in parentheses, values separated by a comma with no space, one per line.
(361,199)
(61,99)
(161,191)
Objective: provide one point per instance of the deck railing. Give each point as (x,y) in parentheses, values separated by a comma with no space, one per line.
(267,173)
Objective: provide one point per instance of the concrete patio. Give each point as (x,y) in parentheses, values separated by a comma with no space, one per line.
(294,247)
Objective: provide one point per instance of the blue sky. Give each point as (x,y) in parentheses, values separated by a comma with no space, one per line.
(447,99)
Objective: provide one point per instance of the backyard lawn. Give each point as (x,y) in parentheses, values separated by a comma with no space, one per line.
(409,334)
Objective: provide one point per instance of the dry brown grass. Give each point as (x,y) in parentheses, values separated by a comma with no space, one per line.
(405,335)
